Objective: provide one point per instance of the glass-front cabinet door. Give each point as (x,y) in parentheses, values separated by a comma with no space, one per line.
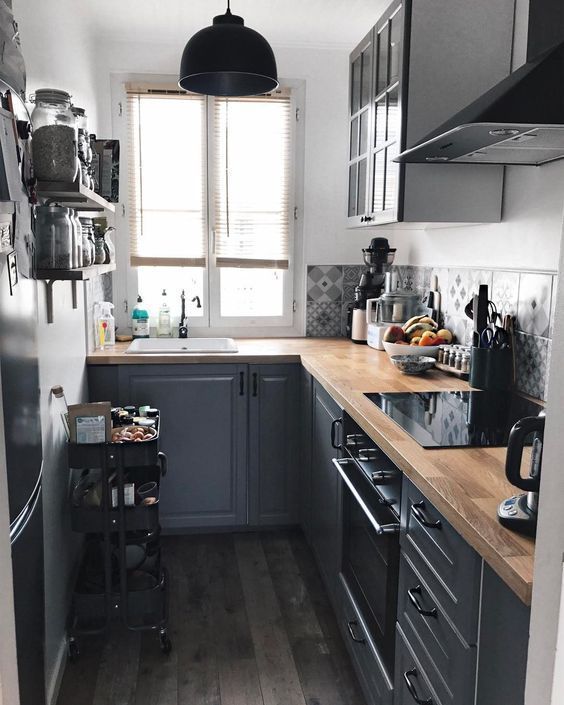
(375,105)
(360,128)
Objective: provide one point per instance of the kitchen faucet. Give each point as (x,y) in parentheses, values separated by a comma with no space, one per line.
(182,327)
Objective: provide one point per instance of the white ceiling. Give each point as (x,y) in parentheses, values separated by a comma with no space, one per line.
(328,23)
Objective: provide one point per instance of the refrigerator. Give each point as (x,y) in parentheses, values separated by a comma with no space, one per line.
(19,371)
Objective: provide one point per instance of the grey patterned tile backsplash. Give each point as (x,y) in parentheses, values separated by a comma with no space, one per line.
(529,296)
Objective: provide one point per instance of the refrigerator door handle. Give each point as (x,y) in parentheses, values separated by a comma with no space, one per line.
(17,527)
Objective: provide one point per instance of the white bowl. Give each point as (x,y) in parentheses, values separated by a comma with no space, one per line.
(395,349)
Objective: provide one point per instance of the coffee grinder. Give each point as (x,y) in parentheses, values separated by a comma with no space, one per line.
(378,258)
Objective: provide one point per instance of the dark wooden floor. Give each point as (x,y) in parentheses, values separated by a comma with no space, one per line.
(250,624)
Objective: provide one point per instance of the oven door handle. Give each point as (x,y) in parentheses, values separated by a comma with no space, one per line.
(380,529)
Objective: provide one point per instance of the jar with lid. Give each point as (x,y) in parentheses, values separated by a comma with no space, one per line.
(84,148)
(55,136)
(77,240)
(101,230)
(465,367)
(54,233)
(87,242)
(100,253)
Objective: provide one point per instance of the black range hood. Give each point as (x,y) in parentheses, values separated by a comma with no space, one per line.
(518,121)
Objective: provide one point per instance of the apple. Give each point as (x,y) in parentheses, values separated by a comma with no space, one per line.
(394,334)
(446,335)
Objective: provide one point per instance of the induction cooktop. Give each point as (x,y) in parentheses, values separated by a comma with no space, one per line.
(456,419)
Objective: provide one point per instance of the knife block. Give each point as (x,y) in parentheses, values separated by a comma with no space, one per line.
(491,368)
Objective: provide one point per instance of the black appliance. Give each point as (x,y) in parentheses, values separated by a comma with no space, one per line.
(19,370)
(370,555)
(518,121)
(520,511)
(456,419)
(378,259)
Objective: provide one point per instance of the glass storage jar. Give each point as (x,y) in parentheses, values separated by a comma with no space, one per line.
(100,253)
(53,228)
(87,242)
(54,142)
(77,240)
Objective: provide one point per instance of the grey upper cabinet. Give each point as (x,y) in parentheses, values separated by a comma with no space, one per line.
(325,508)
(204,435)
(429,60)
(273,444)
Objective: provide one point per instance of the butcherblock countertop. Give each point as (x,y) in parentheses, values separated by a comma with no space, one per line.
(465,484)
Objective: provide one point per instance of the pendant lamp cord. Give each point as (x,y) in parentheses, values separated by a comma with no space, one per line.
(228,7)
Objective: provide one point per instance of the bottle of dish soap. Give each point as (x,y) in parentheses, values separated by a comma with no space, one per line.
(140,320)
(164,327)
(105,325)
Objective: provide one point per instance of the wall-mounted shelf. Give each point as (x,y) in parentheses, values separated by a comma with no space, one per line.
(50,276)
(74,195)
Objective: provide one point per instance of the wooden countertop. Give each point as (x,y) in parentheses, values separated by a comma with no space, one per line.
(465,484)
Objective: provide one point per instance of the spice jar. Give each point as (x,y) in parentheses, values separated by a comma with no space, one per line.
(55,136)
(465,363)
(54,233)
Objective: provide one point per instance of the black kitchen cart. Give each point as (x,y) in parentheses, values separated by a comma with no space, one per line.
(121,577)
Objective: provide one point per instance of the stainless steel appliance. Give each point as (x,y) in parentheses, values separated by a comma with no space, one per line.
(456,419)
(520,511)
(19,372)
(370,553)
(378,258)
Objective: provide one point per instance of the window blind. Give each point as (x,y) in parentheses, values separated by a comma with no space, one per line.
(252,181)
(166,176)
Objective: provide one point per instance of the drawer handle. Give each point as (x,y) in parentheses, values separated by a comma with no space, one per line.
(336,422)
(411,688)
(351,625)
(417,511)
(412,593)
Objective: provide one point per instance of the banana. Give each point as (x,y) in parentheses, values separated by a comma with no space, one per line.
(417,329)
(412,321)
(429,320)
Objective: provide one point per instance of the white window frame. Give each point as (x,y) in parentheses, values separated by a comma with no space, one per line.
(125,280)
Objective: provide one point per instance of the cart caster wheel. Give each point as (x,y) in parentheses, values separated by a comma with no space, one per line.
(74,651)
(166,644)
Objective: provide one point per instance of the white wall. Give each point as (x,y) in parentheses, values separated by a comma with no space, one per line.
(528,237)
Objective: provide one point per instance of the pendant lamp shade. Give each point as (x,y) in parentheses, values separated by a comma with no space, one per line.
(228,59)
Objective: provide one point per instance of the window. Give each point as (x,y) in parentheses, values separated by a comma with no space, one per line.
(211,203)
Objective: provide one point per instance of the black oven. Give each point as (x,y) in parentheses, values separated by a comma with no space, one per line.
(370,557)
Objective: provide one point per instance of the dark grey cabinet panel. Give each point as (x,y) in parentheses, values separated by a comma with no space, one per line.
(504,641)
(376,685)
(306,419)
(325,489)
(204,434)
(451,567)
(411,684)
(273,444)
(103,383)
(443,654)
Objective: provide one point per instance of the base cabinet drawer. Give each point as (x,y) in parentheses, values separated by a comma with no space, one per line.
(374,679)
(451,567)
(444,655)
(412,684)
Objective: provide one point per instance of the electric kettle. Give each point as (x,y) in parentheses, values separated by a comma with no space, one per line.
(520,511)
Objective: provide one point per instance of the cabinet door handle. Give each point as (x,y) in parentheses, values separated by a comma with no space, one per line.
(241,384)
(412,594)
(163,463)
(411,688)
(350,626)
(255,384)
(336,422)
(417,511)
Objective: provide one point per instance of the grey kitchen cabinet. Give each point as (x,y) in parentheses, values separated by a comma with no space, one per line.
(273,444)
(422,63)
(231,434)
(204,435)
(325,506)
(306,419)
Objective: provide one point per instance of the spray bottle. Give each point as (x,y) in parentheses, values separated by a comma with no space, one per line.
(105,324)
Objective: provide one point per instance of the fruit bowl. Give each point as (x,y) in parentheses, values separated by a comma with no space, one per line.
(412,364)
(411,350)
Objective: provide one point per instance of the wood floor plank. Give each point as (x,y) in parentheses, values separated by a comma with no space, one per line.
(321,682)
(280,683)
(238,671)
(117,676)
(346,679)
(157,683)
(190,621)
(79,681)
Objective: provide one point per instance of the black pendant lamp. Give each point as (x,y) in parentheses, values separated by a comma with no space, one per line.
(228,59)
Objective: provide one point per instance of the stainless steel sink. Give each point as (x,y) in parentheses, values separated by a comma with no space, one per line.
(181,346)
